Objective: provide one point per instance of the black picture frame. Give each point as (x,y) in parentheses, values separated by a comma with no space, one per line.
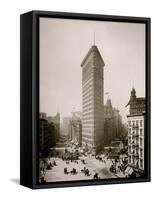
(29,97)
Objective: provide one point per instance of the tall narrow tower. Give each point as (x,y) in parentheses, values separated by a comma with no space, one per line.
(93,100)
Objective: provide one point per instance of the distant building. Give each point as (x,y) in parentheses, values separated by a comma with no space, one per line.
(56,121)
(113,127)
(76,128)
(136,131)
(117,123)
(66,122)
(108,122)
(93,100)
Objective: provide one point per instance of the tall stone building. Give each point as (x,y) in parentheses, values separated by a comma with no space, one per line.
(93,100)
(113,127)
(136,131)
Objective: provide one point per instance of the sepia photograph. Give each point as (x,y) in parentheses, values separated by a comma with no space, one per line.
(92,100)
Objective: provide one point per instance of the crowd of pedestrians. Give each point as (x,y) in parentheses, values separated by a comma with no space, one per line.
(45,165)
(118,166)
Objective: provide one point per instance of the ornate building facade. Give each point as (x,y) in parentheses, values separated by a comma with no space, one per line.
(136,131)
(113,127)
(93,100)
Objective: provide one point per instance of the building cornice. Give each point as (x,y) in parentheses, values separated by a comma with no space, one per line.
(91,50)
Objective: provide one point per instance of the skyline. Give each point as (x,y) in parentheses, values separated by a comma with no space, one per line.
(122,47)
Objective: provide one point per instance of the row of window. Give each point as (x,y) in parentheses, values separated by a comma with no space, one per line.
(88,93)
(135,151)
(97,108)
(91,83)
(87,68)
(135,162)
(135,123)
(87,136)
(91,129)
(87,111)
(94,95)
(135,131)
(88,100)
(85,127)
(92,118)
(87,122)
(85,114)
(87,86)
(87,130)
(87,83)
(131,141)
(91,73)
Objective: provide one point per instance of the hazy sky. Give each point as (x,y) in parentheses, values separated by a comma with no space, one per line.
(63,45)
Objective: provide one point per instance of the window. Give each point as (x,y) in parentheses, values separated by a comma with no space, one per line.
(136,122)
(141,163)
(141,152)
(141,131)
(129,159)
(141,124)
(137,140)
(133,160)
(141,141)
(129,140)
(129,123)
(129,149)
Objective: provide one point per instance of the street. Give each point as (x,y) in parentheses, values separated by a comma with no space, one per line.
(93,165)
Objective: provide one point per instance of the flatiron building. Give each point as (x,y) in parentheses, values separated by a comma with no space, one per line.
(93,100)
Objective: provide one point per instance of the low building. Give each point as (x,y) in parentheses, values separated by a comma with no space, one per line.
(114,149)
(136,132)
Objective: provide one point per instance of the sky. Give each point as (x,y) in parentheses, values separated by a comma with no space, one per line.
(63,45)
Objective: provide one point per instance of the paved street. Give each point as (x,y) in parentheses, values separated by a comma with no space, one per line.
(57,172)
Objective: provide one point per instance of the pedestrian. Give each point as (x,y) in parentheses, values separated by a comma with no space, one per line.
(95,176)
(65,171)
(43,180)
